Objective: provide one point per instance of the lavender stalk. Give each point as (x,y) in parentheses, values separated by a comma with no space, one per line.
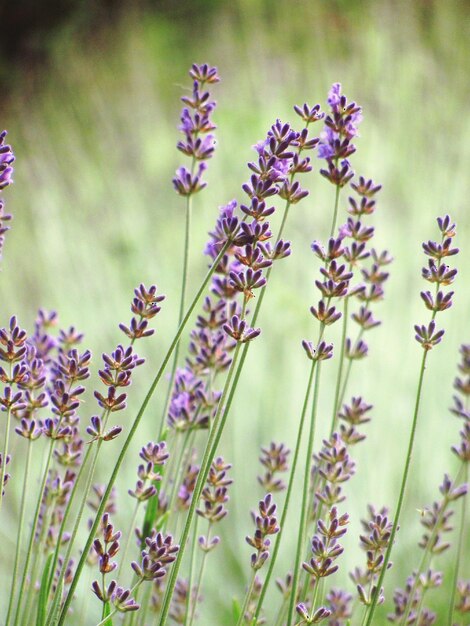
(195,121)
(133,429)
(428,337)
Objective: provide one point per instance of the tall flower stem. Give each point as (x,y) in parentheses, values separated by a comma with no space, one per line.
(130,533)
(209,453)
(315,595)
(191,603)
(5,452)
(348,372)
(427,554)
(179,468)
(243,355)
(305,493)
(132,432)
(336,401)
(249,592)
(78,519)
(460,553)
(20,530)
(67,510)
(335,210)
(33,532)
(277,543)
(184,281)
(401,496)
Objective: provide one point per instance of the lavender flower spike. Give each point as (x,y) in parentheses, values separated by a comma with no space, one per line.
(6,159)
(196,126)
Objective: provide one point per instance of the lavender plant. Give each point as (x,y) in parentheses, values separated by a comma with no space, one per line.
(157,571)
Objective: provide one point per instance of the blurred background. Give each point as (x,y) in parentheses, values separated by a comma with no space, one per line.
(90,96)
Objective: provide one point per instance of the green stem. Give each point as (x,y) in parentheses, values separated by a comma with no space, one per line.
(315,596)
(182,303)
(335,212)
(78,518)
(177,476)
(33,532)
(305,494)
(246,601)
(460,554)
(209,453)
(427,554)
(282,521)
(135,592)
(401,496)
(132,432)
(336,402)
(67,510)
(128,537)
(5,452)
(190,603)
(350,362)
(20,530)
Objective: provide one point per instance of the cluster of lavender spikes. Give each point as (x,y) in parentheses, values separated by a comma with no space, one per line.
(182,481)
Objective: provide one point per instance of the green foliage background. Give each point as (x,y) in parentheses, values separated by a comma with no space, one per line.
(95,214)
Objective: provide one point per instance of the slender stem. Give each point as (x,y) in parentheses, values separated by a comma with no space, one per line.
(187,237)
(460,554)
(179,469)
(350,362)
(241,617)
(315,595)
(420,605)
(128,537)
(37,563)
(209,453)
(103,586)
(132,432)
(78,518)
(335,212)
(282,521)
(336,403)
(67,510)
(20,530)
(401,496)
(5,452)
(305,494)
(191,603)
(33,532)
(114,611)
(429,544)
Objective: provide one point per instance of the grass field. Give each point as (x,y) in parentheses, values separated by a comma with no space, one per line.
(95,214)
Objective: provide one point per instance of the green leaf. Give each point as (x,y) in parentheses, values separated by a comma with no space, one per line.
(236,609)
(44,592)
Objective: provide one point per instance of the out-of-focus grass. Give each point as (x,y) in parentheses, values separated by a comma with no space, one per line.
(95,214)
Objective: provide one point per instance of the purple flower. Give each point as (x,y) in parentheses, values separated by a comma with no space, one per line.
(6,159)
(196,126)
(240,331)
(325,546)
(266,525)
(335,142)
